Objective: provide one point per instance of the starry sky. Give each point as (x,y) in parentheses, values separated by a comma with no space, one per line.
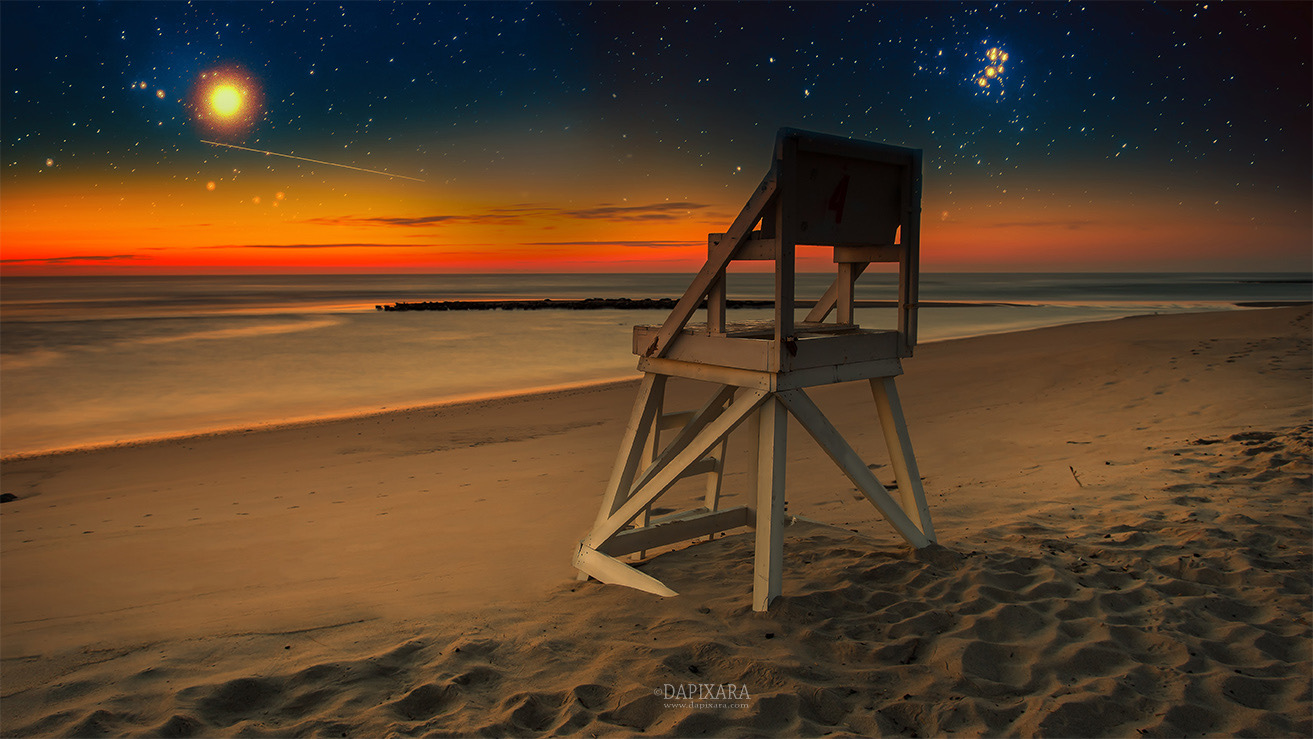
(450,137)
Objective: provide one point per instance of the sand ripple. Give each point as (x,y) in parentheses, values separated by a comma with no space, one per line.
(1176,611)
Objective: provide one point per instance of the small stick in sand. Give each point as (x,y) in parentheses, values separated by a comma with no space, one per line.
(1075,476)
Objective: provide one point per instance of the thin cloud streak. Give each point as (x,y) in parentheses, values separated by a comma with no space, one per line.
(517,214)
(653,212)
(317,246)
(65,260)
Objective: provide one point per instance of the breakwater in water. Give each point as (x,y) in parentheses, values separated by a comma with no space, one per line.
(548,303)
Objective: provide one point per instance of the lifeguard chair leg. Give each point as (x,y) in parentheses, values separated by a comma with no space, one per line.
(829,439)
(647,406)
(768,564)
(893,424)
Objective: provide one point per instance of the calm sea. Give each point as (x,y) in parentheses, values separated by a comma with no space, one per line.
(94,360)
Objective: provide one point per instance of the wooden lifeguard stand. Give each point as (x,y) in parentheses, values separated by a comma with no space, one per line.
(864,200)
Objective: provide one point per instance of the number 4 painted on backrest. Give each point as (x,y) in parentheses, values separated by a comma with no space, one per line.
(837,199)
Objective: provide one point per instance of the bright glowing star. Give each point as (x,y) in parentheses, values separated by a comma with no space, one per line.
(226,100)
(990,72)
(159,94)
(992,54)
(280,195)
(142,85)
(256,200)
(982,82)
(50,162)
(210,186)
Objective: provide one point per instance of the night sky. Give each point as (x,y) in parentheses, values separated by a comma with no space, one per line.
(614,136)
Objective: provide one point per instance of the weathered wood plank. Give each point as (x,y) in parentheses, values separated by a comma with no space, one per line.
(689,526)
(717,478)
(843,302)
(825,375)
(832,374)
(646,407)
(675,420)
(612,571)
(703,466)
(899,443)
(704,416)
(757,248)
(786,224)
(725,351)
(829,439)
(708,373)
(768,559)
(827,302)
(854,346)
(814,345)
(717,295)
(715,265)
(823,143)
(909,265)
(744,404)
(867,254)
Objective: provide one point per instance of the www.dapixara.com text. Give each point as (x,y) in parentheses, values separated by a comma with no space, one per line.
(704,695)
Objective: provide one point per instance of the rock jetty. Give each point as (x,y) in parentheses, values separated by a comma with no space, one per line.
(549,304)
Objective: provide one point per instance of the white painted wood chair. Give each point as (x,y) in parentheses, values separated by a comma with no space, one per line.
(864,200)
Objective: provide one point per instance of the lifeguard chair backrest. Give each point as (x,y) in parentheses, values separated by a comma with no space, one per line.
(861,198)
(845,192)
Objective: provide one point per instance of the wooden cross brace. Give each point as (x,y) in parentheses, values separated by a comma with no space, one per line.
(631,491)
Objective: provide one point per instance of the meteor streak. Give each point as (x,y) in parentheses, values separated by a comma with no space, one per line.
(315,161)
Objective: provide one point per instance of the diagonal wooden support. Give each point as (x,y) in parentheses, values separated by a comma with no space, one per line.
(744,404)
(830,299)
(714,268)
(899,443)
(650,392)
(705,415)
(828,437)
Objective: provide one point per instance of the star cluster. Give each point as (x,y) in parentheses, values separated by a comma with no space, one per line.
(1033,116)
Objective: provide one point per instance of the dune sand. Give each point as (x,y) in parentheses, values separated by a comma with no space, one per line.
(1123,510)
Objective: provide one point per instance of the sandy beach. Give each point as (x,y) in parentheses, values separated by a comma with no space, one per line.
(1123,510)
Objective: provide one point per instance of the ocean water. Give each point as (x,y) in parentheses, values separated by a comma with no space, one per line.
(96,360)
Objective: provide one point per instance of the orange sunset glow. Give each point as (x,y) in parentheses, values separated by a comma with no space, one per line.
(198,225)
(242,157)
